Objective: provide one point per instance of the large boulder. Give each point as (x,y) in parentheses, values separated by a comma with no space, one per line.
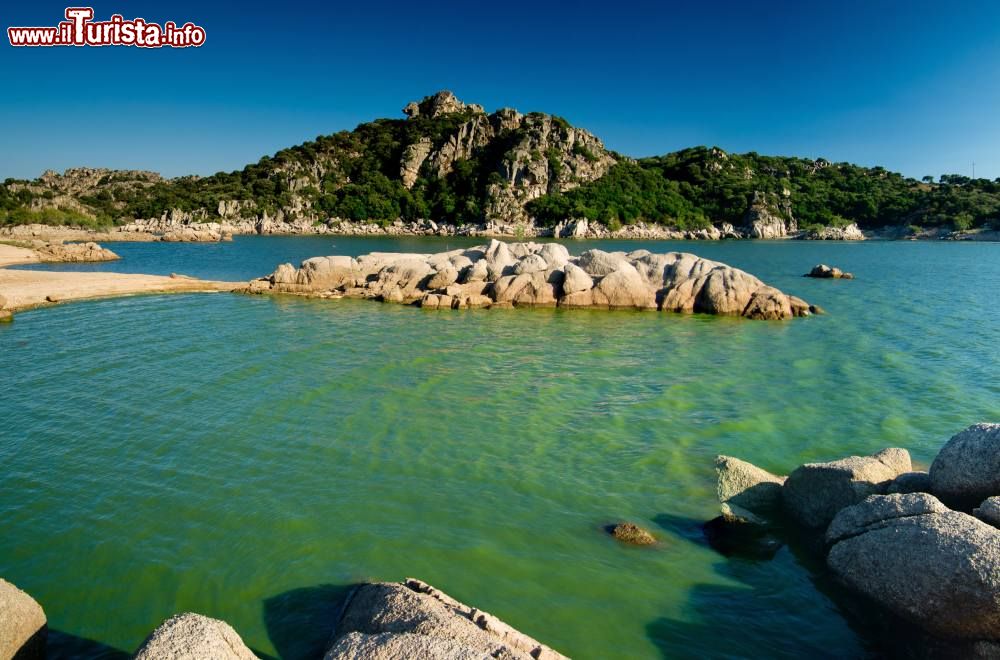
(576,279)
(767,303)
(747,486)
(815,492)
(599,263)
(967,469)
(936,568)
(192,636)
(624,289)
(23,627)
(414,620)
(529,289)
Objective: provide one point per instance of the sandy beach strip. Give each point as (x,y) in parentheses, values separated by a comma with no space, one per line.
(23,289)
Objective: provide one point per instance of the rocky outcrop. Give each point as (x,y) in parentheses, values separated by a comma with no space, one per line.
(936,568)
(52,252)
(767,218)
(815,492)
(850,232)
(194,637)
(441,103)
(631,534)
(967,469)
(383,621)
(23,627)
(196,234)
(540,275)
(822,271)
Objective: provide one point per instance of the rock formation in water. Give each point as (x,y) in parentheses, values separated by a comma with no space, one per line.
(631,534)
(378,621)
(189,636)
(888,533)
(414,620)
(824,272)
(73,252)
(23,626)
(539,275)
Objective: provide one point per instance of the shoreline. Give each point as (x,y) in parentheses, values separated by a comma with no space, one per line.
(185,230)
(21,290)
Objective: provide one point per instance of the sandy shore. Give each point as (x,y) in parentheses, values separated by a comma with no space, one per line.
(22,289)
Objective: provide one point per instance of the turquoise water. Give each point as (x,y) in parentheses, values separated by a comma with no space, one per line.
(249,457)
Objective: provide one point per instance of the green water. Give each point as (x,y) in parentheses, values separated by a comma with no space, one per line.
(249,457)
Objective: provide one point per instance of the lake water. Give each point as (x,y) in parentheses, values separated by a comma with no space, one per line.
(249,457)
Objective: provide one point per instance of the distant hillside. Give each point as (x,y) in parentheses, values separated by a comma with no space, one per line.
(451,162)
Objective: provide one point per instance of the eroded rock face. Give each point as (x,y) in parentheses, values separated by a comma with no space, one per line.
(194,637)
(541,275)
(23,627)
(967,469)
(936,568)
(815,492)
(414,620)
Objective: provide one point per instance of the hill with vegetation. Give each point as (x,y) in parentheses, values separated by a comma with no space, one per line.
(453,163)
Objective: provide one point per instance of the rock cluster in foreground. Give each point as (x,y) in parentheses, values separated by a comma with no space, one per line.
(379,621)
(539,275)
(908,541)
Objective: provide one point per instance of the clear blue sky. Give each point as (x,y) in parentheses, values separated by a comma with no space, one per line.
(913,86)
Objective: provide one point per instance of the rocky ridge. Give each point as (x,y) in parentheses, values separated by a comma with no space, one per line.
(539,275)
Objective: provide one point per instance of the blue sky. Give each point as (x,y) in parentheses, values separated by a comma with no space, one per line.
(913,86)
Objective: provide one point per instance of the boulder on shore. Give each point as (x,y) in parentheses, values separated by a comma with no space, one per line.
(192,636)
(815,492)
(936,568)
(543,275)
(967,469)
(384,621)
(746,486)
(23,627)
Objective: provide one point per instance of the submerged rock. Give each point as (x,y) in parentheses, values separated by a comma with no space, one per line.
(192,636)
(544,275)
(967,469)
(385,621)
(936,568)
(23,627)
(740,533)
(632,534)
(815,492)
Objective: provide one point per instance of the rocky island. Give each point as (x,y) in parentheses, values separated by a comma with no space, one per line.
(539,275)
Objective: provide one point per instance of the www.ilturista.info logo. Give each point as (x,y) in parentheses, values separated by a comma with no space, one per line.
(79,29)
